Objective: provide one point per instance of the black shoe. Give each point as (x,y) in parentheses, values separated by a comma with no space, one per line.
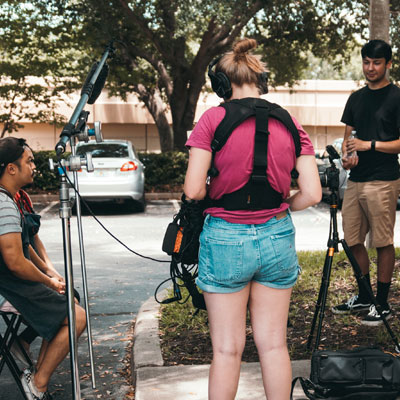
(374,319)
(353,305)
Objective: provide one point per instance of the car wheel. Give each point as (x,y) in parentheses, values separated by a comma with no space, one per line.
(138,205)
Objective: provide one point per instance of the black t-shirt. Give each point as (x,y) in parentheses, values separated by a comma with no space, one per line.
(375,114)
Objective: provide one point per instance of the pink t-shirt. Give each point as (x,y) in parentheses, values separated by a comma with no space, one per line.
(235,161)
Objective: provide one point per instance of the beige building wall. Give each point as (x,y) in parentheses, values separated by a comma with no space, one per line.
(317,105)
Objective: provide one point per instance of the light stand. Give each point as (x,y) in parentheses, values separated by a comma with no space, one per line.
(76,128)
(89,168)
(74,163)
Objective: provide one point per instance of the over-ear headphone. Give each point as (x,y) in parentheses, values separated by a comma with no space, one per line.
(220,83)
(263,82)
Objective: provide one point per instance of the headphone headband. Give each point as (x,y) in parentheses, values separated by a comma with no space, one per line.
(221,84)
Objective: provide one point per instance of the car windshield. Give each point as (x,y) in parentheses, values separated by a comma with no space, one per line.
(104,150)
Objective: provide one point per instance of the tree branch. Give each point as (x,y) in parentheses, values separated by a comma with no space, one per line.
(143,24)
(131,52)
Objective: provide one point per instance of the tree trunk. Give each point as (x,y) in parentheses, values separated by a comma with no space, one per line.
(182,122)
(4,130)
(183,104)
(158,111)
(379,20)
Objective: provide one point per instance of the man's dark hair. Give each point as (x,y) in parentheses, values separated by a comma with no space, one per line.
(377,49)
(11,150)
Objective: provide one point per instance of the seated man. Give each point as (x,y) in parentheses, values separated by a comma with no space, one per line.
(38,297)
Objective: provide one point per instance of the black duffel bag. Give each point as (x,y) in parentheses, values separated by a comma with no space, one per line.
(361,373)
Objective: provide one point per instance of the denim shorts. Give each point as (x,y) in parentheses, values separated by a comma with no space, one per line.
(232,255)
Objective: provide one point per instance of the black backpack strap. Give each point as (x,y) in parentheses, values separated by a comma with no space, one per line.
(283,116)
(239,110)
(235,114)
(259,174)
(307,385)
(277,112)
(257,193)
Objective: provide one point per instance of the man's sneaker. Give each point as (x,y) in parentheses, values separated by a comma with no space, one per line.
(373,318)
(353,305)
(31,391)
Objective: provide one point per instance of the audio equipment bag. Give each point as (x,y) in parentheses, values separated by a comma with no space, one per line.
(182,242)
(360,373)
(181,239)
(257,193)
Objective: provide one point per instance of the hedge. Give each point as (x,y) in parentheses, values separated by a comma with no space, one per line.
(45,179)
(163,171)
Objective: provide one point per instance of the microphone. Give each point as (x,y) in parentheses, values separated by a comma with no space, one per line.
(93,90)
(65,135)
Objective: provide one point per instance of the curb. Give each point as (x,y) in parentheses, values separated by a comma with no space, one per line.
(146,349)
(44,197)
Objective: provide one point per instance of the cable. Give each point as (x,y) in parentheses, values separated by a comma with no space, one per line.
(101,224)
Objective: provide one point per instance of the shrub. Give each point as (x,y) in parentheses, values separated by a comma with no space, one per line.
(164,171)
(44,178)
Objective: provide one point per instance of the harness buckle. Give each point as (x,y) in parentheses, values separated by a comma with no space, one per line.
(259,178)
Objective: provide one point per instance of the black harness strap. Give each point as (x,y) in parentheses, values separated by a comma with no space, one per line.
(257,193)
(259,174)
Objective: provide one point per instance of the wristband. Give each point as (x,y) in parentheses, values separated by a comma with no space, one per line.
(373,142)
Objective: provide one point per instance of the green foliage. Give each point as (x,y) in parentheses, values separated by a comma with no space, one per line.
(44,178)
(35,52)
(319,68)
(164,170)
(164,47)
(291,31)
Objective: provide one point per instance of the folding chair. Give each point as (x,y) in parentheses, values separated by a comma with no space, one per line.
(13,322)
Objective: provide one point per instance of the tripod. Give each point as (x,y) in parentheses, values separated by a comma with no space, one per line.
(333,242)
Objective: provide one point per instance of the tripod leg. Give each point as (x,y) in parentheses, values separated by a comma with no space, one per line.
(322,295)
(361,278)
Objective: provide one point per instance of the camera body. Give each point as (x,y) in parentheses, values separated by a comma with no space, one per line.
(330,177)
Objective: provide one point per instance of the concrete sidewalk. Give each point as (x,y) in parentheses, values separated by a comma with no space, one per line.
(157,382)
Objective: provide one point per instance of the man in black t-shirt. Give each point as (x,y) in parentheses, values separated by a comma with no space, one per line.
(369,204)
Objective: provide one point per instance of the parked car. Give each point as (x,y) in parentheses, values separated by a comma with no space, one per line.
(323,163)
(118,174)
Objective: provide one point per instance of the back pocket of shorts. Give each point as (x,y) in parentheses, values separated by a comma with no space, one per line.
(224,259)
(285,251)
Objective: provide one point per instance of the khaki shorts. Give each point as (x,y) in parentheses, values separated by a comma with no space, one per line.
(370,207)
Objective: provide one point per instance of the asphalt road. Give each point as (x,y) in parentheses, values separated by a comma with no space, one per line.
(119,282)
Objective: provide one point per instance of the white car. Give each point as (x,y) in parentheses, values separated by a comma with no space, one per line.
(118,174)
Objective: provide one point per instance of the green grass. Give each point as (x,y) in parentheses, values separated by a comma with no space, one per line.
(185,337)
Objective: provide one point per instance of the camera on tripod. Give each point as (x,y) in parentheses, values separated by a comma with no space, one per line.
(330,177)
